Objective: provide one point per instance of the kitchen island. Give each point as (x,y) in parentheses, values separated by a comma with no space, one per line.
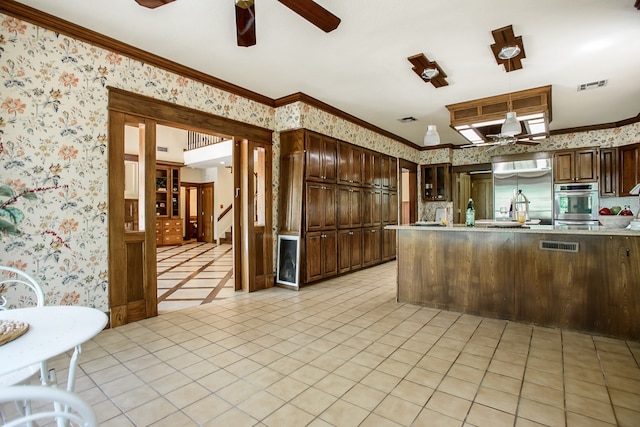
(583,280)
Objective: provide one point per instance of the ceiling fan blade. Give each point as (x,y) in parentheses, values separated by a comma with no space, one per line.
(527,142)
(314,13)
(152,4)
(246,25)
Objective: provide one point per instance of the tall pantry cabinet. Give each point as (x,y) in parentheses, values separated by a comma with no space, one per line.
(337,197)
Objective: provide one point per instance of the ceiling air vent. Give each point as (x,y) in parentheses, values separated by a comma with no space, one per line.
(550,245)
(592,85)
(163,149)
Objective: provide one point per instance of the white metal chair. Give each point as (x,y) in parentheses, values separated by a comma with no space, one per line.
(50,404)
(9,277)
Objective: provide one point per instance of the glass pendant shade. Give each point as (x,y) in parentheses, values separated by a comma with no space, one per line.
(511,125)
(431,137)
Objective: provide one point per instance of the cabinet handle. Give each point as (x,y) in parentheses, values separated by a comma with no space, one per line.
(373,231)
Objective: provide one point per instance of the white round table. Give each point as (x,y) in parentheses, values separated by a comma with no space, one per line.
(53,330)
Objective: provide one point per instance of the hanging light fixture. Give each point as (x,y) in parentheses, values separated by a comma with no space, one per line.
(432,137)
(511,125)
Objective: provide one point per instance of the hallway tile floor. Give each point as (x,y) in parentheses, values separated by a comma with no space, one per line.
(344,353)
(193,274)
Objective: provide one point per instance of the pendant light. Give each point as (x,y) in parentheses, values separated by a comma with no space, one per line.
(511,125)
(432,137)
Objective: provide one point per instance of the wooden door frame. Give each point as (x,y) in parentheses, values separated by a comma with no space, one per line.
(413,188)
(154,112)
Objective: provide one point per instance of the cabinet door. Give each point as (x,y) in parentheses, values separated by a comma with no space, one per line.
(388,244)
(586,167)
(628,169)
(608,172)
(313,250)
(563,164)
(393,173)
(371,166)
(349,250)
(371,207)
(349,206)
(436,182)
(315,156)
(321,206)
(371,246)
(329,253)
(321,255)
(389,207)
(329,162)
(349,164)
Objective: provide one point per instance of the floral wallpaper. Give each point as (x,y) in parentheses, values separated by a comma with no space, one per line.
(53,124)
(53,161)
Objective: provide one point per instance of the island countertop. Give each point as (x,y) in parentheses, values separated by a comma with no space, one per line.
(584,280)
(527,228)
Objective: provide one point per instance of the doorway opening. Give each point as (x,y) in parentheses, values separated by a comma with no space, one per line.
(134,272)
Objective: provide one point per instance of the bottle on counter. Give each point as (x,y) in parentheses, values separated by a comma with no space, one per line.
(471,214)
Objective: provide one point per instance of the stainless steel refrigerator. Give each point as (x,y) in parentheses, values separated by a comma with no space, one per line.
(534,178)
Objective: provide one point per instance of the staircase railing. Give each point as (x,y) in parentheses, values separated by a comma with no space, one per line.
(224,212)
(199,140)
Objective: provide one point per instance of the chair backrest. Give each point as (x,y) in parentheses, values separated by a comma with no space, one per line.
(49,404)
(10,276)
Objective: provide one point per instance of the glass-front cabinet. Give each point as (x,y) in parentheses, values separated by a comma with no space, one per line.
(167,191)
(436,182)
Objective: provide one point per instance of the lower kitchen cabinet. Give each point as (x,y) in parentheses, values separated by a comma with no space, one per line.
(321,253)
(168,231)
(388,244)
(371,246)
(349,250)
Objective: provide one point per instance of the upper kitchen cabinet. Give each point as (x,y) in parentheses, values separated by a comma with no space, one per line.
(575,165)
(436,180)
(350,158)
(372,174)
(321,157)
(389,168)
(629,173)
(608,172)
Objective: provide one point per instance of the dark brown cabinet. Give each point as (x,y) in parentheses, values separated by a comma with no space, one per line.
(371,246)
(371,207)
(349,206)
(321,259)
(350,159)
(321,206)
(337,197)
(320,157)
(389,166)
(436,182)
(575,165)
(388,244)
(389,207)
(371,169)
(608,172)
(349,250)
(629,168)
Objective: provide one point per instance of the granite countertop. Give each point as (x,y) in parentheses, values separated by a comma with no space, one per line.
(499,226)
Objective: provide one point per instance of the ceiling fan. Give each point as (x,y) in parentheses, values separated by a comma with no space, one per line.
(246,16)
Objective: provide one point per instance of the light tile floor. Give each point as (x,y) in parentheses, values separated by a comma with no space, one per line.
(344,353)
(193,274)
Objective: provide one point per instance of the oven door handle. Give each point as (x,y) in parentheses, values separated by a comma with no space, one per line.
(575,194)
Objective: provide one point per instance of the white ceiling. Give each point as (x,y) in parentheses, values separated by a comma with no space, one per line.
(362,68)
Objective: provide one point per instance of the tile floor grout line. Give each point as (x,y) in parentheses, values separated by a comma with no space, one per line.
(179,285)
